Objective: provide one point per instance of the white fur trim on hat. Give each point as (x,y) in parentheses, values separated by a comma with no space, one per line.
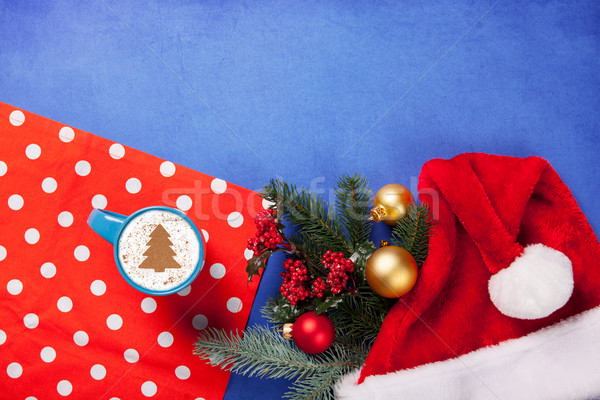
(537,283)
(559,362)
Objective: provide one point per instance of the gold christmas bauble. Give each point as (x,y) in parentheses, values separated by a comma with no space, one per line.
(391,271)
(391,203)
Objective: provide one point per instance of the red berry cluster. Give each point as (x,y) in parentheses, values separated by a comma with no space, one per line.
(340,269)
(318,287)
(267,236)
(293,287)
(297,285)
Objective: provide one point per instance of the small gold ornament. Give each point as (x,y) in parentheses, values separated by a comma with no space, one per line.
(391,203)
(287,330)
(391,271)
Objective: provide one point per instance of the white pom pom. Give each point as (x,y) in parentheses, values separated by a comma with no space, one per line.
(537,283)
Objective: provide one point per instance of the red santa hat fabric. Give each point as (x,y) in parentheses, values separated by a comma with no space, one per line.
(506,304)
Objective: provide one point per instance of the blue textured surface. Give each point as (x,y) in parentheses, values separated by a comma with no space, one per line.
(253,90)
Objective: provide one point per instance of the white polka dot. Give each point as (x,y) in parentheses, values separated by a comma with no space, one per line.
(218,185)
(2,336)
(199,398)
(267,204)
(116,151)
(235,219)
(114,322)
(217,271)
(49,185)
(133,185)
(185,291)
(98,287)
(200,322)
(248,254)
(182,372)
(65,219)
(114,398)
(98,372)
(131,356)
(165,339)
(48,270)
(81,338)
(3,253)
(83,168)
(32,236)
(64,388)
(234,305)
(148,305)
(14,370)
(33,151)
(31,321)
(15,202)
(149,388)
(17,118)
(3,168)
(14,287)
(81,253)
(205,234)
(31,398)
(48,354)
(99,201)
(167,169)
(66,134)
(184,202)
(64,304)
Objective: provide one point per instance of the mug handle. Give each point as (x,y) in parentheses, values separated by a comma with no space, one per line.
(106,223)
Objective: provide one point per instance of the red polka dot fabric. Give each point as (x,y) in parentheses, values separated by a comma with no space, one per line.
(70,325)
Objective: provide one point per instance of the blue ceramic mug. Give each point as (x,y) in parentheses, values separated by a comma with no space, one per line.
(158,250)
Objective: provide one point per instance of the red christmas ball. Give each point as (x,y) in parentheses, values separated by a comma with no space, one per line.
(313,333)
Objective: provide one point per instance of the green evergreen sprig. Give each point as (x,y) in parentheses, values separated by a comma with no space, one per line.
(262,352)
(308,215)
(413,231)
(360,317)
(353,201)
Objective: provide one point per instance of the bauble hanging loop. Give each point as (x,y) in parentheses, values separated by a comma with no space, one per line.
(391,271)
(391,203)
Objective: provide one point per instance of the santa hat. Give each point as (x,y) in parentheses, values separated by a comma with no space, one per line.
(506,305)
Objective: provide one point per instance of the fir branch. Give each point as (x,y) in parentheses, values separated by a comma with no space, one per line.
(353,200)
(315,387)
(264,353)
(413,231)
(308,214)
(361,317)
(321,386)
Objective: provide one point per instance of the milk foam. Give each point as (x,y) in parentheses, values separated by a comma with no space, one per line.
(133,242)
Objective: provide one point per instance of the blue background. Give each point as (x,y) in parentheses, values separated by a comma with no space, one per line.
(306,91)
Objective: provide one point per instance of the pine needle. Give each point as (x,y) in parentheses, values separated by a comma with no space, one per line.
(353,201)
(361,317)
(308,214)
(266,354)
(413,232)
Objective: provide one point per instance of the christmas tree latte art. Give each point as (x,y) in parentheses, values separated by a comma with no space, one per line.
(158,250)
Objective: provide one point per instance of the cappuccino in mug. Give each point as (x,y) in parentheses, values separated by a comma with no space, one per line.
(158,250)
